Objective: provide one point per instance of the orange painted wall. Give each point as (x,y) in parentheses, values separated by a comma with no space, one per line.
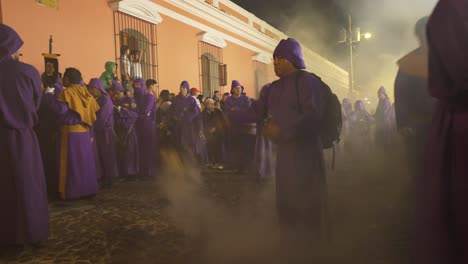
(178,54)
(239,67)
(1,12)
(84,39)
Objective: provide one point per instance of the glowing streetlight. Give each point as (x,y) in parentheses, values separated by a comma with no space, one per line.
(352,37)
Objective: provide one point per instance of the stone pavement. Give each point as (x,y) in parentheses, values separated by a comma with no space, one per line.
(133,223)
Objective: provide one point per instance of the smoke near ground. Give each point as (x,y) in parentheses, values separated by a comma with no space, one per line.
(231,218)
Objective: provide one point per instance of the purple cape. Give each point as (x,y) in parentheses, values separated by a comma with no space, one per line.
(146,131)
(300,169)
(442,216)
(23,195)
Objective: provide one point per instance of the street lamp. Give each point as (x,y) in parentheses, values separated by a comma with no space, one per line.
(352,37)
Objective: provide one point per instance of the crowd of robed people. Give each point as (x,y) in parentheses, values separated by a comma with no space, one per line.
(116,131)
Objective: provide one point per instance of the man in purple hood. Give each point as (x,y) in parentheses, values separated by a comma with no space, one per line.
(241,144)
(126,115)
(384,122)
(295,107)
(146,131)
(23,194)
(184,111)
(103,130)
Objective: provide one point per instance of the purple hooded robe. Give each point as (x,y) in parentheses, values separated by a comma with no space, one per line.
(104,134)
(241,143)
(346,111)
(184,111)
(76,152)
(414,106)
(146,132)
(23,194)
(384,122)
(300,169)
(140,91)
(128,154)
(443,188)
(47,131)
(360,128)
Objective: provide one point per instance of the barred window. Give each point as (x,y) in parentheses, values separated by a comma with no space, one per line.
(140,37)
(261,76)
(212,70)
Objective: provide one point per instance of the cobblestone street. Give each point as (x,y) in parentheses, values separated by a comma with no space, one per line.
(133,222)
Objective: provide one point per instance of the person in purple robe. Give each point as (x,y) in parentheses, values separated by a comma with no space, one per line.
(264,152)
(164,122)
(413,104)
(125,117)
(215,125)
(360,130)
(384,122)
(293,123)
(346,111)
(23,193)
(146,132)
(241,143)
(104,133)
(77,109)
(184,111)
(442,215)
(46,131)
(139,90)
(200,150)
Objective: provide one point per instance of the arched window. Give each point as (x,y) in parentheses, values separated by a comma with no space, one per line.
(140,36)
(212,69)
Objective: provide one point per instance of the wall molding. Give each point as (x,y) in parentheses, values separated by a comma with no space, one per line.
(213,39)
(142,9)
(263,58)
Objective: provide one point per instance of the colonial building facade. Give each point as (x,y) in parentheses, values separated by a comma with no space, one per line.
(208,43)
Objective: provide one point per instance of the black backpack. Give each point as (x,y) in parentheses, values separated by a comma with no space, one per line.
(331,125)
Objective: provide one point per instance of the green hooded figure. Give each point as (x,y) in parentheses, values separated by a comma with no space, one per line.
(109,75)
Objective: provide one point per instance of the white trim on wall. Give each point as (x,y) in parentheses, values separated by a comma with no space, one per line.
(213,39)
(143,9)
(263,58)
(214,15)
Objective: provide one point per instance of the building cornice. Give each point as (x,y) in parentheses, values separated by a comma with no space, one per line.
(216,16)
(143,9)
(213,39)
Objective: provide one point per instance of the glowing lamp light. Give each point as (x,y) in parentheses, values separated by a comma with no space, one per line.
(367,35)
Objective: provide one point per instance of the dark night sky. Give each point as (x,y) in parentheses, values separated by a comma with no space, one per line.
(317,24)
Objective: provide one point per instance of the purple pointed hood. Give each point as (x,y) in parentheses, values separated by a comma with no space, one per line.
(236,83)
(291,50)
(382,91)
(97,83)
(10,41)
(186,85)
(139,91)
(359,105)
(347,105)
(117,86)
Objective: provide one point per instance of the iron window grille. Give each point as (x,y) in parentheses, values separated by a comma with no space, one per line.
(213,73)
(137,35)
